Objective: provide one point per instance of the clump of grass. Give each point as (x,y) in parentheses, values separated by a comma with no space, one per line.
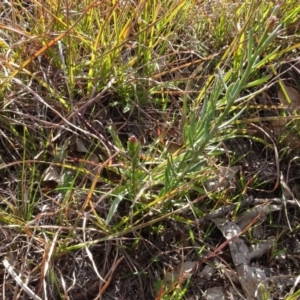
(114,117)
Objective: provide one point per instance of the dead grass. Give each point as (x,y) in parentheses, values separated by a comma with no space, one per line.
(132,133)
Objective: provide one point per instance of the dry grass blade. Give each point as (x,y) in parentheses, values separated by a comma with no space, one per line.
(46,47)
(19,281)
(127,127)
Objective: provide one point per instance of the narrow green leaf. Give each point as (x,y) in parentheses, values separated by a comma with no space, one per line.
(250,46)
(258,82)
(120,194)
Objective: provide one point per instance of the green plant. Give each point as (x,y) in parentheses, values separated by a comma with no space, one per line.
(132,106)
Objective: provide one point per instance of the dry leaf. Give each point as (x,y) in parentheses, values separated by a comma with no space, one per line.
(215,293)
(292,93)
(230,274)
(207,272)
(279,127)
(249,277)
(51,174)
(180,273)
(292,97)
(173,147)
(243,220)
(260,249)
(223,180)
(80,147)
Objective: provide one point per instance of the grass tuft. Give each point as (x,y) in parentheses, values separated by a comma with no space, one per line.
(127,127)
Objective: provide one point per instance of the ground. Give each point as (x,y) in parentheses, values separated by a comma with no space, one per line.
(149,151)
